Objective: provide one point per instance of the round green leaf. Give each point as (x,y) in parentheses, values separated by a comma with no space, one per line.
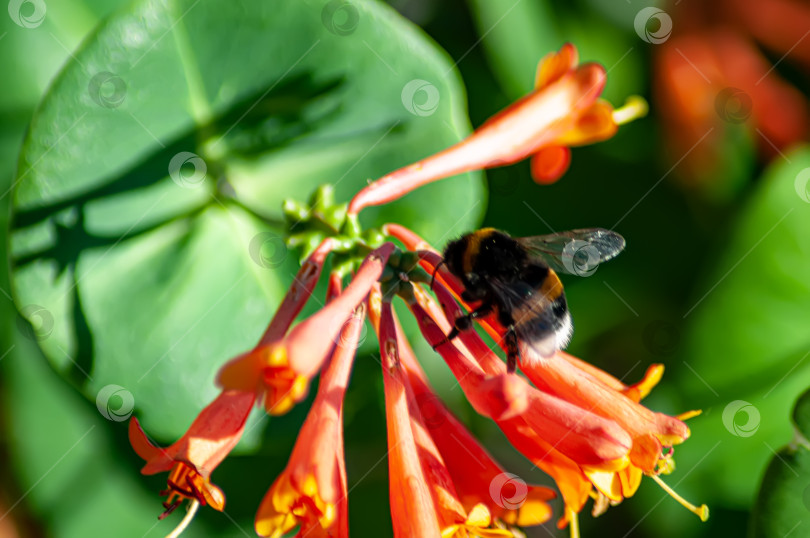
(145,242)
(783,503)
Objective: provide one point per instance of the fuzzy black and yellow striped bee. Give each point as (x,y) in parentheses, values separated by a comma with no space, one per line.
(516,279)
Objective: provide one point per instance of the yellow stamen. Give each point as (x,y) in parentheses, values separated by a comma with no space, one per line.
(573,522)
(689,414)
(635,107)
(192,511)
(701,511)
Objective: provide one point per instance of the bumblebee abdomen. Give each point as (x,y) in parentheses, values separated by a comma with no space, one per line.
(546,330)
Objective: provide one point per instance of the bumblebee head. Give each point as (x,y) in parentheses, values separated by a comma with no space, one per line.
(454,255)
(482,253)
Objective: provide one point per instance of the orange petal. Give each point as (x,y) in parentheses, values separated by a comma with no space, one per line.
(146,450)
(244,371)
(608,483)
(212,494)
(564,379)
(594,124)
(574,486)
(630,478)
(596,372)
(555,64)
(211,436)
(413,512)
(310,342)
(645,452)
(471,467)
(550,163)
(641,389)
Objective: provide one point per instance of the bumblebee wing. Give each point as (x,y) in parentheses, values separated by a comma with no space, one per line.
(575,252)
(542,326)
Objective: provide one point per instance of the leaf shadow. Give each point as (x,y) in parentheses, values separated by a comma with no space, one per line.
(260,123)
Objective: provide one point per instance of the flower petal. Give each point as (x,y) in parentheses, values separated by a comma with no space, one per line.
(550,163)
(556,64)
(412,510)
(157,458)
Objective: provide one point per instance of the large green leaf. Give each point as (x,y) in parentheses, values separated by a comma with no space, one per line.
(783,503)
(149,188)
(746,350)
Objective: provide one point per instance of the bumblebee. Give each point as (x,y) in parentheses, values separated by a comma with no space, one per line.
(516,279)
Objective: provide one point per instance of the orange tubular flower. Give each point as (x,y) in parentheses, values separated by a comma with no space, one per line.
(311,492)
(424,502)
(582,435)
(473,471)
(191,460)
(563,110)
(282,365)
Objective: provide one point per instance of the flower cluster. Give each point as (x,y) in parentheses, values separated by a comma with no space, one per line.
(583,427)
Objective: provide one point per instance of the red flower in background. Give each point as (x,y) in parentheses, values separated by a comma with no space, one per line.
(711,77)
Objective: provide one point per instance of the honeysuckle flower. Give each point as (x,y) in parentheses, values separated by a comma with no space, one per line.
(281,367)
(579,433)
(191,460)
(472,469)
(564,110)
(424,501)
(311,492)
(265,369)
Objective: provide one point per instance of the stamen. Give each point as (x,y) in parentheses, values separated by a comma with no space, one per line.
(169,508)
(573,522)
(688,414)
(192,511)
(635,107)
(701,511)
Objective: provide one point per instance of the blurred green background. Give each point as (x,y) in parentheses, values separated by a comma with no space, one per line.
(133,278)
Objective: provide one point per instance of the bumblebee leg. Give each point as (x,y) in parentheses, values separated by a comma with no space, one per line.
(512,351)
(464,323)
(467,296)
